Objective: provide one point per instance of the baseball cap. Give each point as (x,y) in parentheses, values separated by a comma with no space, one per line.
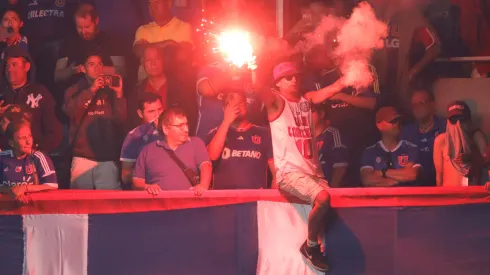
(387,114)
(458,108)
(284,69)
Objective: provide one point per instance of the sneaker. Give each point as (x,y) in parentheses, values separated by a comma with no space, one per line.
(314,256)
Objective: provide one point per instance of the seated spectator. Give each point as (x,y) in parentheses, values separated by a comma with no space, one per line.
(175,163)
(97,110)
(214,81)
(31,97)
(149,108)
(89,39)
(24,170)
(331,151)
(351,111)
(391,161)
(238,147)
(155,81)
(459,154)
(12,114)
(424,131)
(10,32)
(164,27)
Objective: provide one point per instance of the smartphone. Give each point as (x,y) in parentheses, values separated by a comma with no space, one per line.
(112,81)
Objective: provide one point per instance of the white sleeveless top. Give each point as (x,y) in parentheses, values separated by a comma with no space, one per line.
(293,140)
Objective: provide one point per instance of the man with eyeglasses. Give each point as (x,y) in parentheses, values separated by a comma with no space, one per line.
(176,163)
(423,132)
(459,154)
(391,161)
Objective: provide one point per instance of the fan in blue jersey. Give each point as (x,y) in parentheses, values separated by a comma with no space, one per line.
(23,169)
(214,81)
(332,152)
(351,111)
(391,161)
(424,131)
(149,108)
(241,151)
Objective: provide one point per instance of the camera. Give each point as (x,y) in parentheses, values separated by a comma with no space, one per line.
(111,80)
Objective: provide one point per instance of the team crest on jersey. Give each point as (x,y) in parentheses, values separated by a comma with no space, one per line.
(32,101)
(18,169)
(256,139)
(30,169)
(402,160)
(33,3)
(304,106)
(319,144)
(60,3)
(220,96)
(378,160)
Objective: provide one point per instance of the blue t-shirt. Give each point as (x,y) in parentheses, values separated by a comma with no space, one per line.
(377,157)
(425,143)
(21,171)
(244,160)
(156,166)
(356,125)
(138,138)
(211,108)
(332,152)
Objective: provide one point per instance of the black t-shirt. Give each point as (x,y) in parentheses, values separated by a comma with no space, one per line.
(75,48)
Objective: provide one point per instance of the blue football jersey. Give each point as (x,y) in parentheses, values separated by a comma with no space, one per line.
(425,143)
(211,108)
(244,160)
(332,152)
(24,171)
(377,157)
(138,138)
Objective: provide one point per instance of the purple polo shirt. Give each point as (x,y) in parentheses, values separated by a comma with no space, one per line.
(156,167)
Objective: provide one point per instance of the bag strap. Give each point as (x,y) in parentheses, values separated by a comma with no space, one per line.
(85,114)
(176,159)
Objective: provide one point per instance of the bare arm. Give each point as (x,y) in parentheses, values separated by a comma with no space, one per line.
(408,173)
(439,160)
(317,97)
(206,174)
(429,56)
(356,101)
(215,147)
(371,178)
(127,172)
(337,176)
(272,167)
(139,184)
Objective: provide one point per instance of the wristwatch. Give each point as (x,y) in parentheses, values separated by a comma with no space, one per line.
(383,172)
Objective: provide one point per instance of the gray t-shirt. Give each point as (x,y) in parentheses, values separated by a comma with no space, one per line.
(156,167)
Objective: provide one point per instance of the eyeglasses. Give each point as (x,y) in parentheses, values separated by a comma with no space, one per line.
(290,77)
(181,126)
(454,120)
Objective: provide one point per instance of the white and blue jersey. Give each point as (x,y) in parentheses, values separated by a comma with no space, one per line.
(332,152)
(211,108)
(425,143)
(378,157)
(24,171)
(244,160)
(138,138)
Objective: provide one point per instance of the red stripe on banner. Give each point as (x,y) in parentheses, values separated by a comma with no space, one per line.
(99,202)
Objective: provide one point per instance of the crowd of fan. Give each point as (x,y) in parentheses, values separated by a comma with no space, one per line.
(83,117)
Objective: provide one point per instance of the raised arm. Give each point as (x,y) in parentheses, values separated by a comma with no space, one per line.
(317,97)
